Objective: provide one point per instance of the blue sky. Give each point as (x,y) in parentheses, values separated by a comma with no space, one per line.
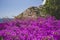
(10,8)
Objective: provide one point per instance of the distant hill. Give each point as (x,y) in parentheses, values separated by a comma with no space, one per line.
(5,19)
(1,20)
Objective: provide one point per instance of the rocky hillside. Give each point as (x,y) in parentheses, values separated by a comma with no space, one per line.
(32,12)
(49,8)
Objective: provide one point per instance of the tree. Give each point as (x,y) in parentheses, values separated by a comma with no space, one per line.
(52,7)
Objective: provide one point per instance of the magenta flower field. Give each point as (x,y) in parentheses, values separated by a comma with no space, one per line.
(31,29)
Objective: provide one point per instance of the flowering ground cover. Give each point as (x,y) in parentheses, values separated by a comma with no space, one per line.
(28,29)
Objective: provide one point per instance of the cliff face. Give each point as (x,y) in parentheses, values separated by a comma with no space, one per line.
(32,12)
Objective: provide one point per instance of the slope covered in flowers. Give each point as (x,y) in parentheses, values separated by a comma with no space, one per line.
(29,29)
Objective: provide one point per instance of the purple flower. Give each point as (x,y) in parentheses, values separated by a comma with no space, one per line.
(28,29)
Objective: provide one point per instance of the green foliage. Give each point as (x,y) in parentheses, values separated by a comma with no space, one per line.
(52,7)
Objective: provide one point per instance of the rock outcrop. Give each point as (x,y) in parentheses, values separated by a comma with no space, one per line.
(32,12)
